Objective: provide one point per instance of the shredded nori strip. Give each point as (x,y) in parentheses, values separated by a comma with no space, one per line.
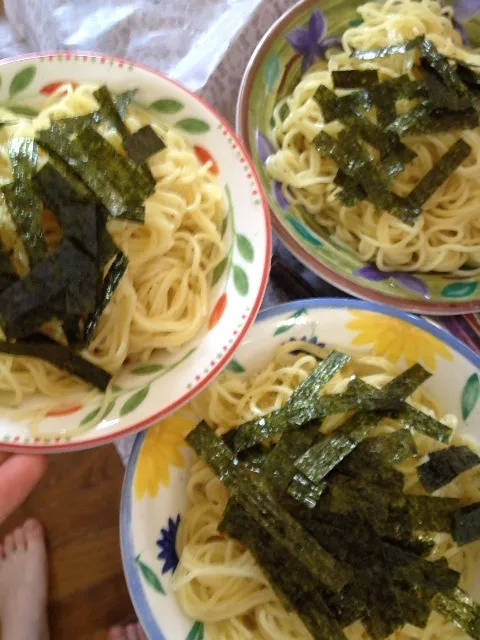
(394,49)
(7,273)
(77,216)
(297,411)
(425,119)
(447,73)
(439,94)
(124,100)
(335,108)
(256,500)
(354,79)
(445,465)
(109,111)
(440,172)
(460,609)
(254,459)
(67,272)
(22,202)
(429,513)
(419,421)
(142,144)
(387,449)
(112,279)
(116,181)
(304,491)
(466,527)
(39,346)
(468,75)
(297,588)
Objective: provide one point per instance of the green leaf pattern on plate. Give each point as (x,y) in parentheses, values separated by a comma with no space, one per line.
(470,395)
(240,279)
(145,370)
(134,401)
(21,80)
(167,105)
(245,247)
(150,576)
(459,289)
(271,73)
(289,322)
(219,269)
(235,366)
(193,125)
(22,111)
(196,632)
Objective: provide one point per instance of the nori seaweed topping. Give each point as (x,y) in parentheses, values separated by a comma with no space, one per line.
(460,609)
(388,449)
(254,459)
(112,279)
(297,588)
(447,73)
(445,465)
(335,108)
(256,500)
(67,272)
(354,79)
(394,49)
(142,144)
(441,95)
(39,346)
(22,202)
(468,75)
(411,121)
(77,216)
(429,513)
(424,119)
(304,491)
(466,527)
(124,100)
(297,411)
(7,273)
(418,421)
(440,172)
(109,111)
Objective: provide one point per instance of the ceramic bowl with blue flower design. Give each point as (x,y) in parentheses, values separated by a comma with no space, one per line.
(297,40)
(154,494)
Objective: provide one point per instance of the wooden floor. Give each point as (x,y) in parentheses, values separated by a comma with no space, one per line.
(78,503)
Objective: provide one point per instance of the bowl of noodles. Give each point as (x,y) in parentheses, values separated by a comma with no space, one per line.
(282,457)
(127,274)
(371,173)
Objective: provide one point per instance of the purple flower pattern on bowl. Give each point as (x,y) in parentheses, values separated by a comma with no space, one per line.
(312,41)
(265,149)
(405,280)
(166,542)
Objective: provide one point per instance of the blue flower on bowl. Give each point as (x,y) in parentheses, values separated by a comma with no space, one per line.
(311,41)
(166,542)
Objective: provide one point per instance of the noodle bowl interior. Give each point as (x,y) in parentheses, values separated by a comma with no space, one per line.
(446,236)
(218,581)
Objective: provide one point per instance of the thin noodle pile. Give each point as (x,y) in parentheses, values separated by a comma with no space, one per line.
(217,580)
(446,236)
(162,300)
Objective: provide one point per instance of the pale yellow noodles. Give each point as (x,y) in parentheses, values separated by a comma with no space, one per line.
(447,235)
(217,580)
(162,300)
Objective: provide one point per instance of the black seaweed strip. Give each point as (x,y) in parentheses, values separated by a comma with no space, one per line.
(440,172)
(143,144)
(354,79)
(429,513)
(297,588)
(461,610)
(441,95)
(387,449)
(297,411)
(447,73)
(7,273)
(39,346)
(468,75)
(418,421)
(372,54)
(256,500)
(304,491)
(49,278)
(335,108)
(445,465)
(466,528)
(124,100)
(396,161)
(109,111)
(254,459)
(112,279)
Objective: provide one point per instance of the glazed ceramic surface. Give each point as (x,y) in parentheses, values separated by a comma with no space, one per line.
(154,493)
(296,41)
(142,394)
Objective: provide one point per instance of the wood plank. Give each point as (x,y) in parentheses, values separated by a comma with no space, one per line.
(78,503)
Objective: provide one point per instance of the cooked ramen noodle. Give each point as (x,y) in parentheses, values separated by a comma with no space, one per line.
(446,236)
(162,300)
(217,580)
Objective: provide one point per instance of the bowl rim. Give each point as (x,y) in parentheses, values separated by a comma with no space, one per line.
(344,283)
(134,585)
(53,447)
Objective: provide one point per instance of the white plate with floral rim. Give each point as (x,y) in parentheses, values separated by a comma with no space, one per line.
(144,394)
(154,492)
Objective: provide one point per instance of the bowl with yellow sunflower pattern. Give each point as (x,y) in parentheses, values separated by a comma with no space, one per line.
(154,494)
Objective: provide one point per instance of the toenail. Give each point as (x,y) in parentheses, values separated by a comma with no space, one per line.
(32,526)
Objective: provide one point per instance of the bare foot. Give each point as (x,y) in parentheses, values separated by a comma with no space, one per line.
(23,584)
(130,632)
